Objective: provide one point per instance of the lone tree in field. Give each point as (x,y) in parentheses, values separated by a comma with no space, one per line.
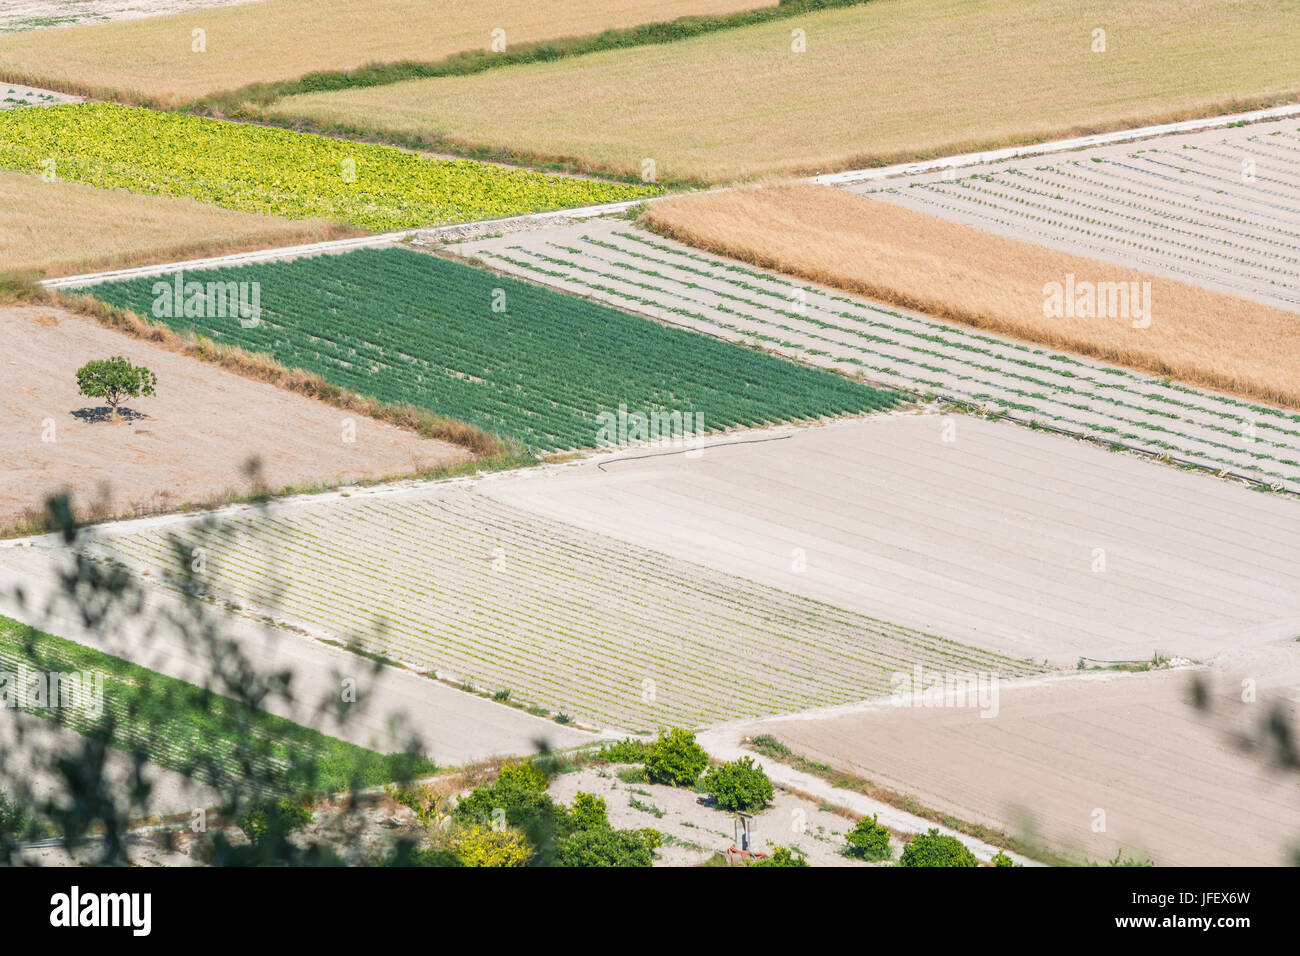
(115,379)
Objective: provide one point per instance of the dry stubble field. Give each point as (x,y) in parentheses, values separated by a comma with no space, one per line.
(275,40)
(62,228)
(189,444)
(879,83)
(958,272)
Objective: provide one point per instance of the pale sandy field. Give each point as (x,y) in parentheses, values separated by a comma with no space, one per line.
(189,444)
(1031,544)
(43,14)
(1170,782)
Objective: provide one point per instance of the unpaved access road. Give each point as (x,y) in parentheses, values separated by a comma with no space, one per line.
(1094,765)
(1017,541)
(189,443)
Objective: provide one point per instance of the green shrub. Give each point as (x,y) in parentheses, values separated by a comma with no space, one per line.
(519,791)
(1001,859)
(782,856)
(868,840)
(485,846)
(603,846)
(934,849)
(739,785)
(587,812)
(675,758)
(626,750)
(273,819)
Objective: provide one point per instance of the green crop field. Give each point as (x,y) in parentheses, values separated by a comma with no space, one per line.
(193,731)
(512,358)
(276,171)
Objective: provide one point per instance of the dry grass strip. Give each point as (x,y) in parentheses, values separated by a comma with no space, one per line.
(959,273)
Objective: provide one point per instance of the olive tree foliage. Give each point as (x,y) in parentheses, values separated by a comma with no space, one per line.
(96,780)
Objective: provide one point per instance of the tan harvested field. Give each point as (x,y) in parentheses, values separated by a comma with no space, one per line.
(963,274)
(43,14)
(1016,541)
(61,228)
(1170,781)
(153,60)
(883,82)
(188,444)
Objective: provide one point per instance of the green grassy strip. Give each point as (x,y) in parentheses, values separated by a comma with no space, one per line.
(196,732)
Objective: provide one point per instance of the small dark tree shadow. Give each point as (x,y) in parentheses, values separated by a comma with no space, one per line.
(105,414)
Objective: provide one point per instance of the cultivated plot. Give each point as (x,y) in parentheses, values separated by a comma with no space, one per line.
(1023,542)
(449,581)
(1127,751)
(509,357)
(21,15)
(848,88)
(244,44)
(620,264)
(189,444)
(1219,209)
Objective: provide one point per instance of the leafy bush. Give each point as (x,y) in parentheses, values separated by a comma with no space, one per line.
(484,846)
(782,856)
(868,840)
(934,849)
(603,846)
(675,758)
(519,792)
(739,785)
(587,812)
(273,819)
(1001,859)
(626,750)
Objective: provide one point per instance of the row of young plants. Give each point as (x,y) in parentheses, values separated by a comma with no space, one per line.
(1109,403)
(507,600)
(516,360)
(261,169)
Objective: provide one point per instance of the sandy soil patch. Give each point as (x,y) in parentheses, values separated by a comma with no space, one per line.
(189,444)
(1123,751)
(13,95)
(694,830)
(1013,540)
(46,227)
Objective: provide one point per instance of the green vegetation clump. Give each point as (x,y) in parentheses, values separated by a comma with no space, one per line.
(114,379)
(739,786)
(869,840)
(935,849)
(270,820)
(782,856)
(676,759)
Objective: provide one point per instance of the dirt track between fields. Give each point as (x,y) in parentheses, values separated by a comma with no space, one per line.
(188,444)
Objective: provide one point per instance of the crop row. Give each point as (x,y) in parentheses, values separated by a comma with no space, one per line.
(265,170)
(642,272)
(509,357)
(562,617)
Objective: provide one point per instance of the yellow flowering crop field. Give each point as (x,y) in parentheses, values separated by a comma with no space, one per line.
(280,172)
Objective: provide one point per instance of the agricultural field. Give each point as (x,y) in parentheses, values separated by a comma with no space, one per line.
(154,59)
(1218,209)
(509,357)
(191,730)
(21,15)
(1022,542)
(626,266)
(12,96)
(277,172)
(957,272)
(1176,787)
(44,225)
(861,86)
(575,622)
(180,447)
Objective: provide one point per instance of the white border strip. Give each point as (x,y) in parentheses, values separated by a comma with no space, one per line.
(1057,146)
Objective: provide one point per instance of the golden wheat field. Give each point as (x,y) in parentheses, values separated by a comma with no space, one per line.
(153,60)
(62,228)
(963,274)
(887,81)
